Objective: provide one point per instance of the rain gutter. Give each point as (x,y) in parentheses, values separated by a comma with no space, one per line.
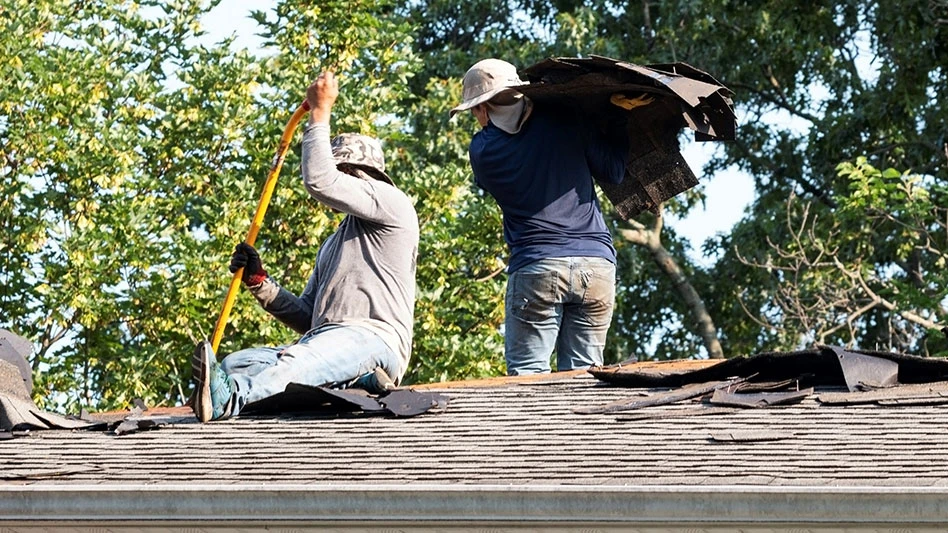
(649,508)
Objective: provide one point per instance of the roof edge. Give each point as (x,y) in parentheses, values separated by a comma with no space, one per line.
(420,505)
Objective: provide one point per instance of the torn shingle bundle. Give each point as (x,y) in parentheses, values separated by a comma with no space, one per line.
(305,398)
(16,350)
(676,95)
(816,367)
(17,410)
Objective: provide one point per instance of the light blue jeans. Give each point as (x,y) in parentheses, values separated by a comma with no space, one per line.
(561,303)
(332,356)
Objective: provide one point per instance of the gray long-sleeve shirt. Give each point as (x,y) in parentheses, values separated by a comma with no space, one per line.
(365,271)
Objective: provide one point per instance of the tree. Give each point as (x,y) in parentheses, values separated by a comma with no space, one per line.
(651,239)
(831,284)
(843,81)
(104,173)
(131,159)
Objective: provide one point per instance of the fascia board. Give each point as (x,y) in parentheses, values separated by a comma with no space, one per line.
(427,505)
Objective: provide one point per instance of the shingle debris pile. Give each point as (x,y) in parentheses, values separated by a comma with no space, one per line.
(402,402)
(18,412)
(19,415)
(678,96)
(843,377)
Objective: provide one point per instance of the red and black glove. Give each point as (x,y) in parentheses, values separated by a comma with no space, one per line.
(247,258)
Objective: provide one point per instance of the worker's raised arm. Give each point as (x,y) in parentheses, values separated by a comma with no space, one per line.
(373,199)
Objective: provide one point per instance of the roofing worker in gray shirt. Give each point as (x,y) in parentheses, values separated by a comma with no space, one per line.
(356,312)
(538,162)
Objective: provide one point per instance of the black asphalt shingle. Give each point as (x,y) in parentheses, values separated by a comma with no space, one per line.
(511,433)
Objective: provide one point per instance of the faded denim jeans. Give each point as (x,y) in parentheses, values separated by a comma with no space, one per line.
(331,356)
(563,304)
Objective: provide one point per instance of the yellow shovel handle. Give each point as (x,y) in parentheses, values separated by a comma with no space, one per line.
(268,187)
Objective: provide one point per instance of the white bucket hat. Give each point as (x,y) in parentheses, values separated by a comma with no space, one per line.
(485,80)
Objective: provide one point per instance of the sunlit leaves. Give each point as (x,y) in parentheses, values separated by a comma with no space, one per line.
(108,165)
(131,160)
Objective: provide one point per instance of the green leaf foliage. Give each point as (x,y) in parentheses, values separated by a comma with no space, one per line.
(132,157)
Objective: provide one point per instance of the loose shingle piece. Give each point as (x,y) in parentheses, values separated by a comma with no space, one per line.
(304,398)
(16,350)
(786,378)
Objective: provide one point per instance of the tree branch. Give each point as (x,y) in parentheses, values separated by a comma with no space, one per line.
(777,102)
(759,321)
(911,316)
(492,274)
(650,238)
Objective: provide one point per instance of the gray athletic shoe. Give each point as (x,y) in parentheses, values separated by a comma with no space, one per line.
(213,391)
(376,382)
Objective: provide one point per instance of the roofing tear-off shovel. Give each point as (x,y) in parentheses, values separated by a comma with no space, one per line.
(268,187)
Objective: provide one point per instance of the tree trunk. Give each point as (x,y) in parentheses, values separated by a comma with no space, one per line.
(650,238)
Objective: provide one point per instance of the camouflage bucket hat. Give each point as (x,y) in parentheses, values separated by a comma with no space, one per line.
(362,152)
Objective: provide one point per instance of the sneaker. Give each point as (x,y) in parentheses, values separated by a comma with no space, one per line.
(212,390)
(377,382)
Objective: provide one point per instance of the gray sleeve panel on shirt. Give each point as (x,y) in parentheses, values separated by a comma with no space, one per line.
(365,271)
(369,200)
(296,312)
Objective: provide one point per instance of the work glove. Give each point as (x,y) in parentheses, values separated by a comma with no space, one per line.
(246,257)
(629,104)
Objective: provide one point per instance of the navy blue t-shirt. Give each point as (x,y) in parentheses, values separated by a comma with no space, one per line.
(542,178)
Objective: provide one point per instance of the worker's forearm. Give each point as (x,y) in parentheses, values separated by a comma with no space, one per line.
(283,305)
(319,116)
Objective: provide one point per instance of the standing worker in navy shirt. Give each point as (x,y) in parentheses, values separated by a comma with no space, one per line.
(538,162)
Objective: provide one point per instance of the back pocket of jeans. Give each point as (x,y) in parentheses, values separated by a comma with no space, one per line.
(599,295)
(532,296)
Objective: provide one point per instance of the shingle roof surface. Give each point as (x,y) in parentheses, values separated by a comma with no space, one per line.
(510,433)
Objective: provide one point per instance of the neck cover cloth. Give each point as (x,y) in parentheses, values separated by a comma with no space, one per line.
(510,118)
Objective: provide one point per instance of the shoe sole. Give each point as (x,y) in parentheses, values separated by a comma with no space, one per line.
(200,367)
